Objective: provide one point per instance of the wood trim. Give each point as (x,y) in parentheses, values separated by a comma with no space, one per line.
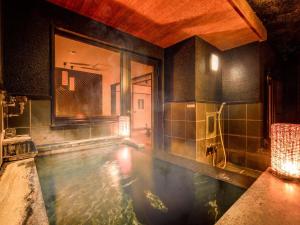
(247,14)
(69,121)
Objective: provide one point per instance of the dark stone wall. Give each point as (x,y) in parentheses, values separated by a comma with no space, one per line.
(180,71)
(208,82)
(291,90)
(241,74)
(188,74)
(28,29)
(26,49)
(240,78)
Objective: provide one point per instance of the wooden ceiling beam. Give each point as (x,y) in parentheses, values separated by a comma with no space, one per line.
(246,12)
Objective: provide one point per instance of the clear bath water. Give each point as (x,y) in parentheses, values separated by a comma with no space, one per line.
(124,186)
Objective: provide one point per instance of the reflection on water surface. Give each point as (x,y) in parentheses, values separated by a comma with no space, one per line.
(124,186)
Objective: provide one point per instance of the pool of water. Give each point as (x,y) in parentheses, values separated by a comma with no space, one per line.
(124,186)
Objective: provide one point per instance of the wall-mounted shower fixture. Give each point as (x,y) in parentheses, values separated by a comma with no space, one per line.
(212,150)
(211,125)
(219,113)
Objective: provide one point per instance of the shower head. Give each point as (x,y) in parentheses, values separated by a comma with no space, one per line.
(221,108)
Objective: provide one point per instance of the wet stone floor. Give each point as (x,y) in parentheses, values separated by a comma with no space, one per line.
(124,186)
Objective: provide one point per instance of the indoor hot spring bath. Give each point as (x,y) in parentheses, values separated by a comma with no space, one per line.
(125,186)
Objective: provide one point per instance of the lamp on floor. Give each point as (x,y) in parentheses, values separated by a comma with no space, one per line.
(124,126)
(285,150)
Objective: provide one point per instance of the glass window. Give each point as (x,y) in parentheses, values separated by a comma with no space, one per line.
(87,80)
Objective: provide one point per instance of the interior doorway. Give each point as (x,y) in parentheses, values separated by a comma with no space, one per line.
(141,102)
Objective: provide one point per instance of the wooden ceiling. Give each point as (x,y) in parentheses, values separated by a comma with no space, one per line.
(223,23)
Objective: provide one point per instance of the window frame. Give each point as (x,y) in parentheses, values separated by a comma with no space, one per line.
(71,121)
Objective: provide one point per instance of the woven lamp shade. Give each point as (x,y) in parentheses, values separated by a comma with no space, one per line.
(285,149)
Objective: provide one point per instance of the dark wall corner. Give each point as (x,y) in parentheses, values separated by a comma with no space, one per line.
(179,65)
(241,74)
(208,82)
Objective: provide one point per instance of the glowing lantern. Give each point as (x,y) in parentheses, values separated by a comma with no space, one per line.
(72,84)
(124,126)
(64,77)
(285,149)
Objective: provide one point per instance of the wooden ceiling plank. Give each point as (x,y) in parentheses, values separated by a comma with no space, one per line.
(223,23)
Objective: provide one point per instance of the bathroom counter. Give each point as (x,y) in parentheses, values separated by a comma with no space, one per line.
(269,201)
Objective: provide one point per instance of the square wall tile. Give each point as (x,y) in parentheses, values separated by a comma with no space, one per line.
(226,126)
(237,127)
(253,144)
(220,128)
(254,128)
(186,149)
(237,142)
(177,146)
(190,149)
(225,140)
(200,111)
(225,112)
(258,161)
(190,130)
(178,111)
(237,111)
(255,111)
(237,157)
(201,130)
(178,129)
(210,107)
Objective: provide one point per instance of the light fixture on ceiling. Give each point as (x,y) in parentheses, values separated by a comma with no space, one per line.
(214,62)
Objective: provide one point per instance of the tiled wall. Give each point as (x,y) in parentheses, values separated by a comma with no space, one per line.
(243,135)
(180,129)
(242,128)
(185,130)
(38,125)
(202,140)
